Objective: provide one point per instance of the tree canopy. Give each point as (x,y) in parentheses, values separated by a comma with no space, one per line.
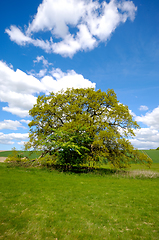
(83,125)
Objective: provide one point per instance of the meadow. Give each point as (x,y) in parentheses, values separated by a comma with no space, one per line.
(47,204)
(153,154)
(29,154)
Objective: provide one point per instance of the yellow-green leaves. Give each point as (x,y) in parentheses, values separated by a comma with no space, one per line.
(78,125)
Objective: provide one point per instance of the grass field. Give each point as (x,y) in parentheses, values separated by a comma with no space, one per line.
(153,154)
(31,155)
(43,204)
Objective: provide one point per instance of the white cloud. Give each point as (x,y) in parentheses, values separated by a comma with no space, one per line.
(17,111)
(150,119)
(148,134)
(104,24)
(92,22)
(62,80)
(25,121)
(147,137)
(17,36)
(19,89)
(85,39)
(42,73)
(21,143)
(129,8)
(11,137)
(44,61)
(23,101)
(143,108)
(54,15)
(17,81)
(10,124)
(132,113)
(144,144)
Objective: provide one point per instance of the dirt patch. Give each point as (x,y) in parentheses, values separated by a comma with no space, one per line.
(2,159)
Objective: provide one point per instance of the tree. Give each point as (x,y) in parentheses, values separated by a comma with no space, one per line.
(83,125)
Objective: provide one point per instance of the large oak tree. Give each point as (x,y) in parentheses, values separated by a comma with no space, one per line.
(84,125)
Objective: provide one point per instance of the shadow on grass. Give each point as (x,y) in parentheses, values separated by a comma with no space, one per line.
(82,169)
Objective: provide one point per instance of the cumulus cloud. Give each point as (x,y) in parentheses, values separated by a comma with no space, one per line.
(150,119)
(21,143)
(17,111)
(17,81)
(60,80)
(25,121)
(147,133)
(147,137)
(19,89)
(41,73)
(141,145)
(17,36)
(143,108)
(44,61)
(10,124)
(92,22)
(11,137)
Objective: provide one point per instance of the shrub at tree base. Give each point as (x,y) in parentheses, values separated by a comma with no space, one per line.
(15,156)
(80,126)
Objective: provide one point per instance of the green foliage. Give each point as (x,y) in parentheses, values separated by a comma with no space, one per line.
(15,156)
(69,146)
(157,148)
(47,160)
(83,125)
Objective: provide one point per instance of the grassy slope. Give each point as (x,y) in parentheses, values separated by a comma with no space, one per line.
(154,167)
(38,204)
(153,154)
(5,153)
(23,153)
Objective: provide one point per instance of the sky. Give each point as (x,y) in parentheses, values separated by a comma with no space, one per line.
(47,45)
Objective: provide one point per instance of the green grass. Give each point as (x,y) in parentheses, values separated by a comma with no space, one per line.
(42,204)
(5,153)
(153,154)
(154,167)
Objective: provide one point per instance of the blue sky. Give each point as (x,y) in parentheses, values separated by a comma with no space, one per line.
(53,44)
